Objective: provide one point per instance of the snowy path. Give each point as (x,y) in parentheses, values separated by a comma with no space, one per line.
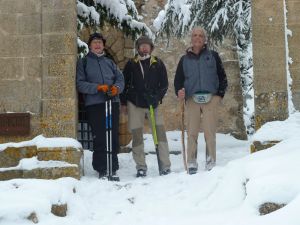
(230,194)
(228,148)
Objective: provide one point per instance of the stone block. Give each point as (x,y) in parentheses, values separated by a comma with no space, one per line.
(11,156)
(60,66)
(274,74)
(57,5)
(128,53)
(15,87)
(296,99)
(11,68)
(17,6)
(41,173)
(268,36)
(59,21)
(67,154)
(20,103)
(270,107)
(65,43)
(8,25)
(267,12)
(59,118)
(120,55)
(293,8)
(29,24)
(59,110)
(269,57)
(20,96)
(117,46)
(59,209)
(58,88)
(32,45)
(33,68)
(10,174)
(57,128)
(294,49)
(258,146)
(295,74)
(129,43)
(11,46)
(33,218)
(111,38)
(269,207)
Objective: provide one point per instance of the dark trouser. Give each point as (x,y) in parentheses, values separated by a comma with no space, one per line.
(96,118)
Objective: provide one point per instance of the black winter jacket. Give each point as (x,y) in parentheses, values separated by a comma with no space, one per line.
(136,86)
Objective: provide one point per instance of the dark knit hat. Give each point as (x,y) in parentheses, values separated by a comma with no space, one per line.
(96,36)
(144,40)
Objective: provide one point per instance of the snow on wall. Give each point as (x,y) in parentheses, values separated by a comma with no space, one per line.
(42,142)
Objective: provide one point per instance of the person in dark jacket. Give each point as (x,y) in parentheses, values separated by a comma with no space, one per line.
(146,83)
(201,81)
(99,79)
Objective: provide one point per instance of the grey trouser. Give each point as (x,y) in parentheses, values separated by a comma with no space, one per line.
(136,118)
(207,115)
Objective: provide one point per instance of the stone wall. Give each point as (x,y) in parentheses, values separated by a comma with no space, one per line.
(269,59)
(293,21)
(231,112)
(38,59)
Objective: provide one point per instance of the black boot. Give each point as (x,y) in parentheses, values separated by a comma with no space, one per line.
(141,173)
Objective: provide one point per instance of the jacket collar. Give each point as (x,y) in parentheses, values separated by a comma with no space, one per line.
(190,52)
(153,59)
(93,55)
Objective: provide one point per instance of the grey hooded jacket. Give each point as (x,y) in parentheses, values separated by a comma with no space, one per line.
(98,70)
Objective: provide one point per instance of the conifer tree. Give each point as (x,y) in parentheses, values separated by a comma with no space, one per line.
(221,19)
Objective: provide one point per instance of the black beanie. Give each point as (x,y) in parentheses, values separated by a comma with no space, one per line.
(96,36)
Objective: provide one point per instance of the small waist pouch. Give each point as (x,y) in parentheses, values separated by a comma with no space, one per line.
(202,97)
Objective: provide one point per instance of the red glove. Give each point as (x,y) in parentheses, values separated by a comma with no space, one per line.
(114,90)
(103,88)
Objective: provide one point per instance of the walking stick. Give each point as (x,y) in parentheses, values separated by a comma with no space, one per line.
(154,134)
(110,176)
(183,136)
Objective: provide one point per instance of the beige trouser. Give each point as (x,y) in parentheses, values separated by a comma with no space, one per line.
(136,118)
(205,116)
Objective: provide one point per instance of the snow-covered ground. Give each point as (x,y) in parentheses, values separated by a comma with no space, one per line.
(230,194)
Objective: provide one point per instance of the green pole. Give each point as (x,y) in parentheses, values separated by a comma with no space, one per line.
(155,136)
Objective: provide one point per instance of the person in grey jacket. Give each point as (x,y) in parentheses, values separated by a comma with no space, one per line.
(201,81)
(99,79)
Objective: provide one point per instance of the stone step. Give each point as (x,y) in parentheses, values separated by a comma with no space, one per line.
(33,168)
(11,156)
(258,145)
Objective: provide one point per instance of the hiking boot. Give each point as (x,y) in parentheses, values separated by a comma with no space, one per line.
(141,173)
(102,174)
(192,170)
(165,172)
(209,166)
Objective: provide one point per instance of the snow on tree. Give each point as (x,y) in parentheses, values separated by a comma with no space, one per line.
(220,18)
(118,13)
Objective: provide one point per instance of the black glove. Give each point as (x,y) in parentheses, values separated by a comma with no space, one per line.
(151,97)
